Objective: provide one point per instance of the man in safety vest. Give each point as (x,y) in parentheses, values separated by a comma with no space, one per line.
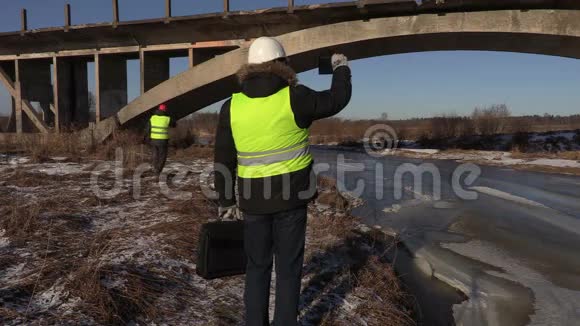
(158,130)
(262,137)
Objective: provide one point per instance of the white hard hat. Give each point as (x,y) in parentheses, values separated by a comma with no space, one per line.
(265,49)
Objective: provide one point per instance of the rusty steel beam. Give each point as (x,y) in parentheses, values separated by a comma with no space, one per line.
(55,105)
(115,12)
(67,20)
(23,21)
(217,44)
(17,98)
(97,89)
(167,10)
(226,6)
(127,49)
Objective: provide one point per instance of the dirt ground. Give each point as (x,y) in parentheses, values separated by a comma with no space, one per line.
(68,256)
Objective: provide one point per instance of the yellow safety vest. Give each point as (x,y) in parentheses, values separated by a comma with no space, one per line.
(160,127)
(267,139)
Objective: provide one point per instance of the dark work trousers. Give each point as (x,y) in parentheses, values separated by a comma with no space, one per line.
(280,235)
(158,154)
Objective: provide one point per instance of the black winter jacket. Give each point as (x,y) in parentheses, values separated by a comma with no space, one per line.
(307,105)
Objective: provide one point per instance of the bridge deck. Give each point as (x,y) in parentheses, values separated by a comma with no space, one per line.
(235,25)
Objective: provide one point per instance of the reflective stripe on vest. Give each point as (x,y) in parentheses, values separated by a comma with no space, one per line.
(267,138)
(160,127)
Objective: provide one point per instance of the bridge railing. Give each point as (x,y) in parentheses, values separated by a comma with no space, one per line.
(226,9)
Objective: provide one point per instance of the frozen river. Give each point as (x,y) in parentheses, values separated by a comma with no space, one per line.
(514,249)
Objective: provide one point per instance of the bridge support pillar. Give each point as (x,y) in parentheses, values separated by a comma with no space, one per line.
(33,85)
(111,84)
(71,92)
(195,58)
(19,120)
(7,78)
(154,69)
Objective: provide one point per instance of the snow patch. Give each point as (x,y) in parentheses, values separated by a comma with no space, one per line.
(555,163)
(9,161)
(495,157)
(393,209)
(51,298)
(420,150)
(507,196)
(4,241)
(12,274)
(61,169)
(419,195)
(553,305)
(59,158)
(18,160)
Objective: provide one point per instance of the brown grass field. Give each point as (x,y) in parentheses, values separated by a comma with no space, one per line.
(70,257)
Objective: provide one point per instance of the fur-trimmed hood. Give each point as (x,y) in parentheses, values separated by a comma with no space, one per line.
(277,68)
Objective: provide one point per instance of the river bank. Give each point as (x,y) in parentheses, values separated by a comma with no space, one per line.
(562,163)
(70,256)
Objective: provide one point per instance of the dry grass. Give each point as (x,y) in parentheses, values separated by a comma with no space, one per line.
(571,155)
(66,251)
(67,246)
(183,232)
(384,300)
(24,178)
(113,306)
(62,243)
(348,267)
(41,147)
(326,228)
(329,196)
(19,222)
(326,183)
(129,144)
(192,152)
(547,169)
(350,280)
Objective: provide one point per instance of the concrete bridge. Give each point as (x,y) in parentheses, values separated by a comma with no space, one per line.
(49,66)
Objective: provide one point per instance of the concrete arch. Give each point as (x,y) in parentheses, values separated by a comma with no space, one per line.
(549,32)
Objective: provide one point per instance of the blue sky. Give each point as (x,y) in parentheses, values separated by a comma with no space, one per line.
(404,86)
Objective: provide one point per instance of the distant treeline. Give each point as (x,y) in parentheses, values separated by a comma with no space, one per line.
(495,119)
(492,120)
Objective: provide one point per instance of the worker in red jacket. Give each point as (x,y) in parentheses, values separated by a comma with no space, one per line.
(158,130)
